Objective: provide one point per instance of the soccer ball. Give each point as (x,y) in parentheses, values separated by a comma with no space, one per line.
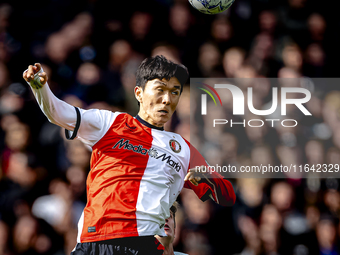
(211,6)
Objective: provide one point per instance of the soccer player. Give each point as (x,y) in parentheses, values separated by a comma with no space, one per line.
(137,168)
(170,231)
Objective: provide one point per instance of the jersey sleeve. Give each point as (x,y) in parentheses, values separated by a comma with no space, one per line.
(213,186)
(94,123)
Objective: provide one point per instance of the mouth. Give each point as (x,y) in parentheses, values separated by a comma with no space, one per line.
(166,227)
(163,112)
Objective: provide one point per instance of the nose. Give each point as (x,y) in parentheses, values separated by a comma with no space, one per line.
(166,98)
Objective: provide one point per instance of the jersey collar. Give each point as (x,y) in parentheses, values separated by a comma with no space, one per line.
(148,124)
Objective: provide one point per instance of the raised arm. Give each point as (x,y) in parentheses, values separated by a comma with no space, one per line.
(57,111)
(93,123)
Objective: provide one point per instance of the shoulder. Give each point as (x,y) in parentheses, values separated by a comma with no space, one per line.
(178,138)
(96,116)
(96,120)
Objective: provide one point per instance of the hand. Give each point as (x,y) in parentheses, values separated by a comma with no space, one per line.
(32,71)
(195,175)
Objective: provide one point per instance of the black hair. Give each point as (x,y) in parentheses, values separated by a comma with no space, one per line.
(174,209)
(159,67)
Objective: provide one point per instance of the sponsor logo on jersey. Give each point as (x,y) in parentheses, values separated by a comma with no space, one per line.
(129,127)
(152,152)
(126,145)
(169,161)
(175,146)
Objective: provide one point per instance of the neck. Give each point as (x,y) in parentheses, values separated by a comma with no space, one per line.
(168,250)
(146,117)
(148,124)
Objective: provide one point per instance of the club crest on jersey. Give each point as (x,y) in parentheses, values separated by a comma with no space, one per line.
(175,146)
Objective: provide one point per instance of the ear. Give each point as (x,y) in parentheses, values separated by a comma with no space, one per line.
(138,93)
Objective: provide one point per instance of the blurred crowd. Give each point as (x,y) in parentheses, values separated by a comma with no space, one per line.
(91,50)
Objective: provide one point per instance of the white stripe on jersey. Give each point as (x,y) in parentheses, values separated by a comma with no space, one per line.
(80,226)
(161,183)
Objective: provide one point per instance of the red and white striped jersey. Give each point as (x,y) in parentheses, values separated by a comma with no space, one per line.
(137,171)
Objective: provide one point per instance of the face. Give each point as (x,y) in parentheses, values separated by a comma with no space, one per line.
(169,227)
(158,100)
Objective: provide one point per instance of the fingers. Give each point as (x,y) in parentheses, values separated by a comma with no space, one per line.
(194,181)
(30,73)
(192,178)
(186,178)
(199,170)
(32,70)
(195,175)
(37,67)
(43,78)
(25,76)
(28,76)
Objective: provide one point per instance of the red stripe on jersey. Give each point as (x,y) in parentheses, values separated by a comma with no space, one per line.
(118,163)
(159,245)
(220,188)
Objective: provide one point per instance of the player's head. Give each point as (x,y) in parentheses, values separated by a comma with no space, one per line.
(170,223)
(159,83)
(169,227)
(158,67)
